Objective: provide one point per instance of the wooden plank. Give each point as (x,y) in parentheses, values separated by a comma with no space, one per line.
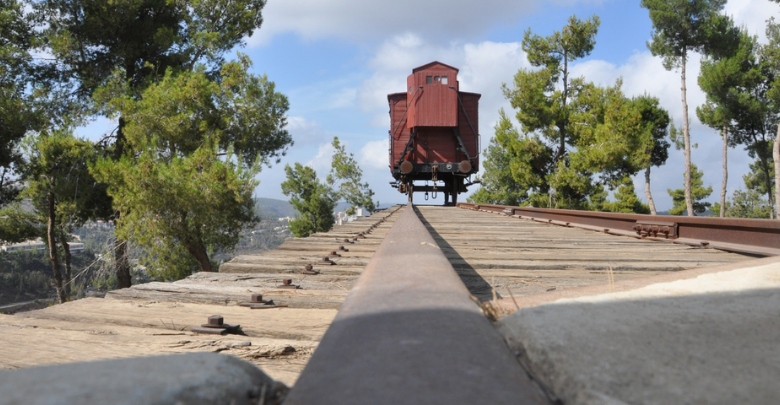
(499,253)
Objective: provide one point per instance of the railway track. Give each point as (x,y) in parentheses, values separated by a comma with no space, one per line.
(407,329)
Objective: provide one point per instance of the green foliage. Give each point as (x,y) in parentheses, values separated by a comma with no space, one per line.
(18,109)
(199,145)
(699,193)
(18,224)
(198,203)
(346,176)
(497,184)
(242,112)
(25,275)
(541,107)
(656,121)
(92,38)
(684,26)
(626,200)
(679,28)
(598,198)
(124,46)
(610,137)
(58,164)
(63,195)
(746,204)
(574,131)
(313,200)
(725,80)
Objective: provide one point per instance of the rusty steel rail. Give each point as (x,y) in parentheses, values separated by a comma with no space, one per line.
(753,236)
(409,333)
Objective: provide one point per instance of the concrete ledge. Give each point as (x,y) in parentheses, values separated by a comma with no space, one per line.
(708,339)
(192,379)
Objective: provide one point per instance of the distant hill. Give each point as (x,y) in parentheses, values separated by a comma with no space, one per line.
(269,208)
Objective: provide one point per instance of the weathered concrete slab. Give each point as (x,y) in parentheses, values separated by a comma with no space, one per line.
(192,379)
(711,339)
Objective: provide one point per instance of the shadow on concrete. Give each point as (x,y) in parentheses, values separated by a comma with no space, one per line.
(699,346)
(477,285)
(415,354)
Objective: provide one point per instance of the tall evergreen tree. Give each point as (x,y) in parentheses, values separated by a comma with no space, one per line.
(63,194)
(550,113)
(679,28)
(571,130)
(771,55)
(655,120)
(199,144)
(95,40)
(721,78)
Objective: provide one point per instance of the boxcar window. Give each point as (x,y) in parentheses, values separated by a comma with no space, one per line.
(444,80)
(410,89)
(428,79)
(436,79)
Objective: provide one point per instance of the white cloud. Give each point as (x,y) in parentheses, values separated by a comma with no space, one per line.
(753,15)
(303,131)
(483,68)
(321,162)
(360,20)
(374,155)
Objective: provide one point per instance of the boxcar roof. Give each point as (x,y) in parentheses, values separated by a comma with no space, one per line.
(427,65)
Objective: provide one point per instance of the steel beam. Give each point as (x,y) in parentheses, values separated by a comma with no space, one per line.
(409,333)
(760,237)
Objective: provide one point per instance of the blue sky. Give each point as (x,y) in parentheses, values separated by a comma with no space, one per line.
(337,60)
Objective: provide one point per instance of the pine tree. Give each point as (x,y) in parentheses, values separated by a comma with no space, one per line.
(655,120)
(598,199)
(313,200)
(699,193)
(681,27)
(346,176)
(626,200)
(497,185)
(189,184)
(571,131)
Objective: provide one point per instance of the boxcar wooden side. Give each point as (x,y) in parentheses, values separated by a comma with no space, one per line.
(468,125)
(399,131)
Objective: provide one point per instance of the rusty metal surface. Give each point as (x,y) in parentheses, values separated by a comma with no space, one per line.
(753,236)
(408,332)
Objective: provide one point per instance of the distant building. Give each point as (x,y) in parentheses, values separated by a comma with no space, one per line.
(38,244)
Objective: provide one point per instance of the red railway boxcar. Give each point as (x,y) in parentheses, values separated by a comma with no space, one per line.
(433,133)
